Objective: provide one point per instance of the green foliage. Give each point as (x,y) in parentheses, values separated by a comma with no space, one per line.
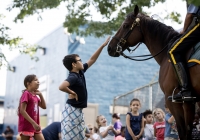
(195,2)
(14,43)
(30,7)
(79,14)
(174,16)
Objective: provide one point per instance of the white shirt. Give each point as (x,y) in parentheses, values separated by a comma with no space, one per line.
(149,132)
(95,137)
(110,136)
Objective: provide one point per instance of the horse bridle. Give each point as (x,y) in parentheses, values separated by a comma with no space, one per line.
(123,40)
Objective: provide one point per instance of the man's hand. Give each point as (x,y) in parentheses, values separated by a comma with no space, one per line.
(73,95)
(106,42)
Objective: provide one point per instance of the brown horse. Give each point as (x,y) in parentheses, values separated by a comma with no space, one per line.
(137,28)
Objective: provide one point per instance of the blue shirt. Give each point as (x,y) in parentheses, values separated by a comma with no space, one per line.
(78,85)
(170,129)
(193,10)
(51,131)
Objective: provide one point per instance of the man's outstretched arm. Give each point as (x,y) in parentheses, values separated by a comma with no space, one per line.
(97,53)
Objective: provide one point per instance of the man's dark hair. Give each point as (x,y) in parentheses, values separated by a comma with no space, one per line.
(147,112)
(116,115)
(68,60)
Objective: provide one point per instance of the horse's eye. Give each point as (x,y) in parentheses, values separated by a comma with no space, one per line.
(125,26)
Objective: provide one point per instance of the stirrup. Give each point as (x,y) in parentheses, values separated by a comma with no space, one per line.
(174,101)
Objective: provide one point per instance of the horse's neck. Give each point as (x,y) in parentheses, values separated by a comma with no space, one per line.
(157,39)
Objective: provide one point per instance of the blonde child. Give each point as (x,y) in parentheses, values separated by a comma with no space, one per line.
(107,132)
(159,125)
(93,133)
(134,121)
(28,110)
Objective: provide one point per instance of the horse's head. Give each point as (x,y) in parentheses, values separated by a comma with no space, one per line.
(129,34)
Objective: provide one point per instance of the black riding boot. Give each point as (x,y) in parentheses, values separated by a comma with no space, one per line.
(185,94)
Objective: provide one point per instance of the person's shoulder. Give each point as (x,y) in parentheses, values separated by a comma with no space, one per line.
(72,75)
(85,65)
(129,113)
(26,92)
(156,123)
(53,124)
(149,125)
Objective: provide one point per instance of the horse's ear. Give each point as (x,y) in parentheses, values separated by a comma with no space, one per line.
(136,10)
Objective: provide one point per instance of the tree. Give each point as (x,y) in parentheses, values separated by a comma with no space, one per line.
(79,14)
(13,43)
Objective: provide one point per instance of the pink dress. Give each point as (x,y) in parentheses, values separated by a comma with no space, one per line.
(32,110)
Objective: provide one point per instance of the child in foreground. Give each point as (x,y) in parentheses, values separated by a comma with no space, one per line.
(107,132)
(28,110)
(134,121)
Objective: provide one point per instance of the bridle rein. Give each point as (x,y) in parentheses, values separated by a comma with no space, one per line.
(123,41)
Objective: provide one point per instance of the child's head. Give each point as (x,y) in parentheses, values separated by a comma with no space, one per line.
(115,117)
(91,128)
(135,104)
(159,114)
(123,131)
(148,116)
(72,61)
(101,121)
(31,82)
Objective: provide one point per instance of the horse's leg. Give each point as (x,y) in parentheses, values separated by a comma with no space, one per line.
(177,110)
(195,79)
(168,82)
(189,112)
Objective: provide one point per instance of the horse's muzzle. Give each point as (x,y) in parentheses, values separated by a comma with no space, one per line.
(112,52)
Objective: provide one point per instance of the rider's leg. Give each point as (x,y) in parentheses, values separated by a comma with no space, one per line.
(186,41)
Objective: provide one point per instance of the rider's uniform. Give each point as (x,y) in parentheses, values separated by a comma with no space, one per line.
(187,40)
(180,47)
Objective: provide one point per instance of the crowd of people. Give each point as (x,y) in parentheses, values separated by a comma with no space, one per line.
(147,125)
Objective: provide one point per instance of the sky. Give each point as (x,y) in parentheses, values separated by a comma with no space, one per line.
(32,30)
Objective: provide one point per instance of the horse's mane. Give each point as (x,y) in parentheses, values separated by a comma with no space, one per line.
(158,29)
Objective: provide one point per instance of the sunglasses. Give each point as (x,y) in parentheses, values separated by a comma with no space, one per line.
(79,60)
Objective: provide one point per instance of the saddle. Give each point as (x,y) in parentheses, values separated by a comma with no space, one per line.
(194,55)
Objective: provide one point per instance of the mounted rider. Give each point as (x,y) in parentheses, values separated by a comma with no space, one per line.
(190,37)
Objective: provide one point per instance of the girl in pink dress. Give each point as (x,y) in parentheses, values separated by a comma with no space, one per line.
(28,110)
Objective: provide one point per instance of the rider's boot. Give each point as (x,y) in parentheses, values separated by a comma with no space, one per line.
(185,94)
